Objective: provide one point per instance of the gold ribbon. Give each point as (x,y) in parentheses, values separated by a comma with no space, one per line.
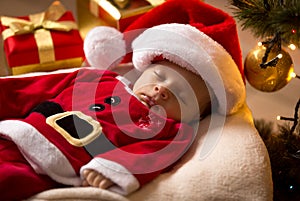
(115,12)
(40,24)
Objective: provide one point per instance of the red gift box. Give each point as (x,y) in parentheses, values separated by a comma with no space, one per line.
(121,16)
(39,43)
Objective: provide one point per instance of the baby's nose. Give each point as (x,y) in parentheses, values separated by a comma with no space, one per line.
(162,92)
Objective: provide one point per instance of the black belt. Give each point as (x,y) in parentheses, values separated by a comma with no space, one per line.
(77,128)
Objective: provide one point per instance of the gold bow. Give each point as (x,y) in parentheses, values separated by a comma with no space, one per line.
(40,24)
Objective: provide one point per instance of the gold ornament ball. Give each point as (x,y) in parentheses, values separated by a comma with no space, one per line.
(268,79)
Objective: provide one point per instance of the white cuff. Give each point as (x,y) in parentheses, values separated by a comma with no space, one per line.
(125,182)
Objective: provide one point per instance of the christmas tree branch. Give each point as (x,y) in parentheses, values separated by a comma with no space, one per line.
(267,17)
(296,117)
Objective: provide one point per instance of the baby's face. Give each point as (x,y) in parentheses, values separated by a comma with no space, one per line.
(172,91)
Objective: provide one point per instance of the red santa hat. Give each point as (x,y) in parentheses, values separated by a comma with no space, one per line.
(196,36)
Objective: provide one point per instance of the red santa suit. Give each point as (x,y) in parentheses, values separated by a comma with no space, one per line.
(56,125)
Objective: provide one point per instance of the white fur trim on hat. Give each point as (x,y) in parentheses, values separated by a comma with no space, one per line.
(104,47)
(190,48)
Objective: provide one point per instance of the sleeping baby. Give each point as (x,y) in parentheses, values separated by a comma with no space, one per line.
(90,127)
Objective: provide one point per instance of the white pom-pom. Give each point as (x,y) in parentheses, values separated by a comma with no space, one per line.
(104,47)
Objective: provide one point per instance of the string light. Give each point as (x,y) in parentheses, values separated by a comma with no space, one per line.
(285,118)
(292,188)
(292,46)
(295,119)
(273,62)
(294,75)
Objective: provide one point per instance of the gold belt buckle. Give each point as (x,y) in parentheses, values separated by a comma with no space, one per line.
(83,138)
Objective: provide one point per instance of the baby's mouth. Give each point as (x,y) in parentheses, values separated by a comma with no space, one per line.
(146,100)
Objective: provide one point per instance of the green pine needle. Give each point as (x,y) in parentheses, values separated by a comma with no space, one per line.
(264,20)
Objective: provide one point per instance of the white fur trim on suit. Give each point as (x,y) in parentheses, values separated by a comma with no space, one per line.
(192,49)
(43,156)
(125,182)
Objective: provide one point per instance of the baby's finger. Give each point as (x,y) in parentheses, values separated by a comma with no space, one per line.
(85,183)
(105,183)
(86,173)
(90,176)
(97,180)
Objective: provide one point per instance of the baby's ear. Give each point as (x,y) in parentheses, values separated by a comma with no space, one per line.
(104,47)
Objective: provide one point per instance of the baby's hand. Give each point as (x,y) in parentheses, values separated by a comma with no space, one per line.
(95,179)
